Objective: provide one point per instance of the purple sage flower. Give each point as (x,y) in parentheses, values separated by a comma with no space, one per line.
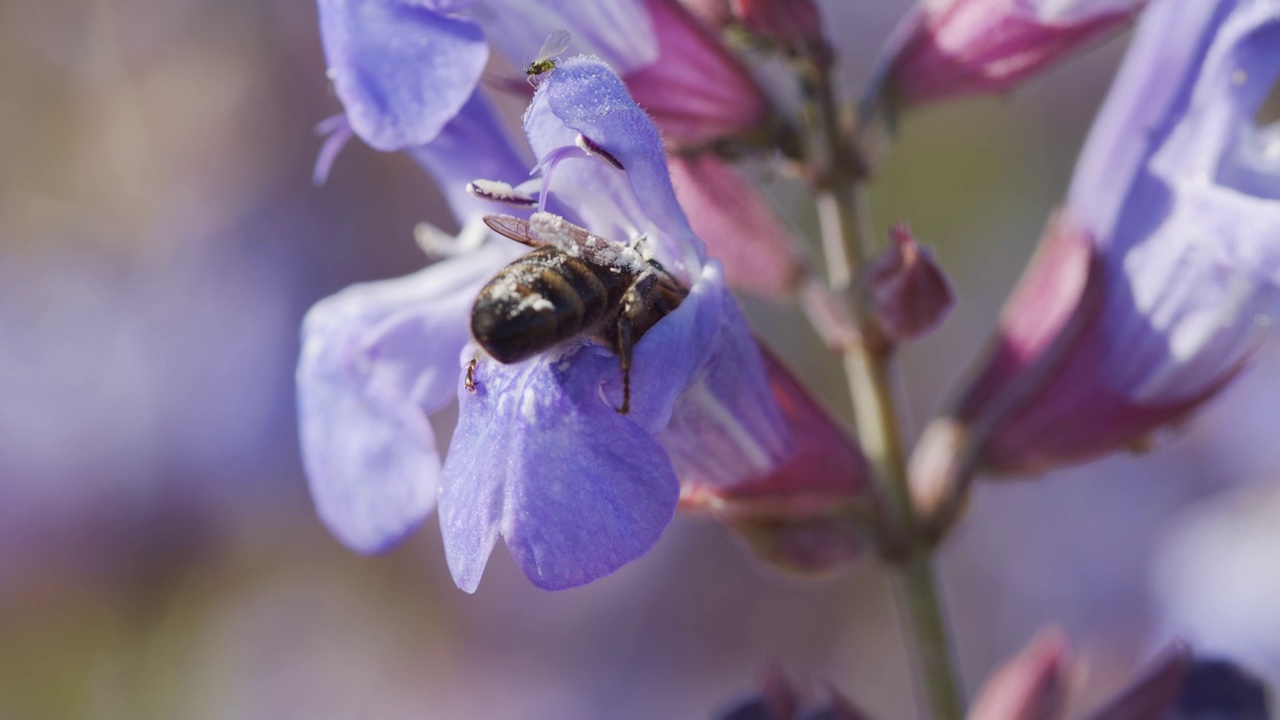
(577,489)
(1143,301)
(540,455)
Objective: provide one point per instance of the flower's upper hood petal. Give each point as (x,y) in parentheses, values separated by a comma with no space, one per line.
(400,69)
(582,96)
(376,359)
(539,457)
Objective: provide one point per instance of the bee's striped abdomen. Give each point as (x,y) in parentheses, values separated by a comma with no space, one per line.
(541,300)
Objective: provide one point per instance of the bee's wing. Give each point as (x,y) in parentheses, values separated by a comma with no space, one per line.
(513,228)
(548,229)
(556,43)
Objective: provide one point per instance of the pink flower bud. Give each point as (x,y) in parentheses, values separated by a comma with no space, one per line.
(808,515)
(950,48)
(793,23)
(713,13)
(779,698)
(1156,691)
(1030,686)
(776,698)
(697,91)
(909,292)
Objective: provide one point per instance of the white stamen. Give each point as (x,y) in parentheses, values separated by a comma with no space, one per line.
(499,191)
(587,146)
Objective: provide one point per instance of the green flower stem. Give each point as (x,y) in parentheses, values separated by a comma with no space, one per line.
(845,242)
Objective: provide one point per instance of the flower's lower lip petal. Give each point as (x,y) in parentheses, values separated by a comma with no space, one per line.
(372,468)
(473,490)
(577,489)
(376,359)
(726,428)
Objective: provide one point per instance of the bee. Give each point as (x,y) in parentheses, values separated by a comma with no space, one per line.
(556,43)
(573,284)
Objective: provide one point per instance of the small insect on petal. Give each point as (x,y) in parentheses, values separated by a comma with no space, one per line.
(556,43)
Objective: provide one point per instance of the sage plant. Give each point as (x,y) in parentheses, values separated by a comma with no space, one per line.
(1140,306)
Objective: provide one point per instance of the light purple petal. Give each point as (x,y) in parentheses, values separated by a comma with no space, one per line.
(1217,137)
(472,146)
(376,359)
(1145,100)
(673,353)
(400,70)
(1194,290)
(725,427)
(576,489)
(1194,251)
(619,31)
(583,96)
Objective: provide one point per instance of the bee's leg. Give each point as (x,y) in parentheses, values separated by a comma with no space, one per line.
(469,382)
(634,305)
(624,360)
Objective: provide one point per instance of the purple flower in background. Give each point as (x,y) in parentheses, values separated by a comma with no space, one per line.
(951,48)
(1142,303)
(540,456)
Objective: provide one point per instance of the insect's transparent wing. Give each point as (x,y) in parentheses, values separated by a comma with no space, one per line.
(556,43)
